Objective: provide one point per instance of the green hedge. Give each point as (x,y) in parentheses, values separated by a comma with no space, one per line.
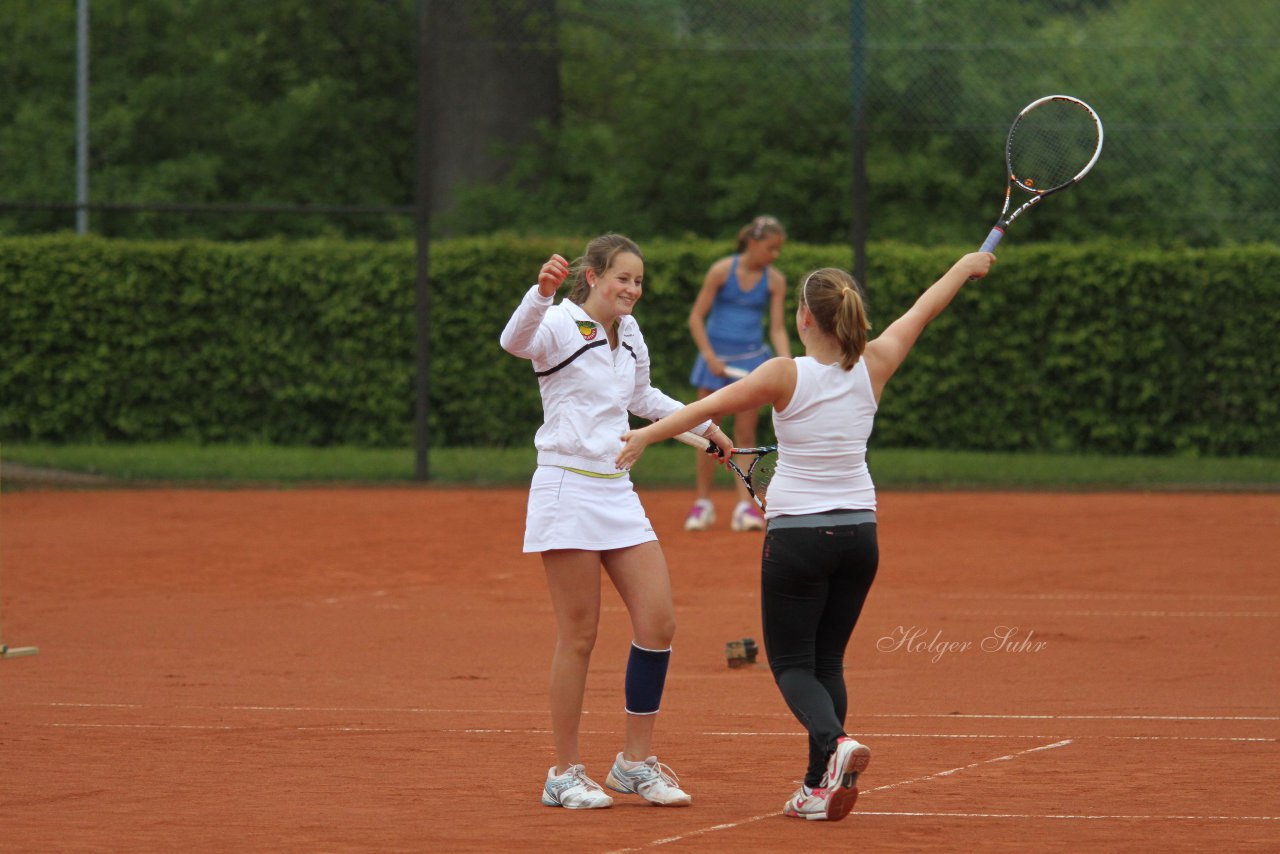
(1100,347)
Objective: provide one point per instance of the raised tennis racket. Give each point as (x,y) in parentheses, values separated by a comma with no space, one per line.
(759,471)
(1053,143)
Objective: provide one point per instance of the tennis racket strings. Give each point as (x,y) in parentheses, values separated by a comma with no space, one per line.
(760,473)
(1050,144)
(756,474)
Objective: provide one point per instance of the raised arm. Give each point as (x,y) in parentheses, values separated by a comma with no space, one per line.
(888,351)
(520,337)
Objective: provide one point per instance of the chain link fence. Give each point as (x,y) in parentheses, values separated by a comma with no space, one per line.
(671,117)
(1186,91)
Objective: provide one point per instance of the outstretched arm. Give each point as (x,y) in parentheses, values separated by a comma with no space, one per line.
(887,352)
(772,383)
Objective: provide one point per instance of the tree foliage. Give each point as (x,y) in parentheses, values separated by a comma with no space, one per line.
(675,116)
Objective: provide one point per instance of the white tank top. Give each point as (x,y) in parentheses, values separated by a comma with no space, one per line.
(822,442)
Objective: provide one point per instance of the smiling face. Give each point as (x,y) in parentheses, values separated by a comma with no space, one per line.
(615,291)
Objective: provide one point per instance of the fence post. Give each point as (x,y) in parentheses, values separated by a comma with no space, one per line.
(422,239)
(82,116)
(857,104)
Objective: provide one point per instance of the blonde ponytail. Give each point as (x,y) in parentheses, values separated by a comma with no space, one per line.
(835,301)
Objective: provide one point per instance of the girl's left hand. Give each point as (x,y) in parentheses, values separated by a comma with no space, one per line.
(633,445)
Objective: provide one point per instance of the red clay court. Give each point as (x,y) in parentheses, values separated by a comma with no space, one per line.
(359,670)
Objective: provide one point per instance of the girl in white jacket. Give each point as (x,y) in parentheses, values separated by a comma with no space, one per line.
(593,368)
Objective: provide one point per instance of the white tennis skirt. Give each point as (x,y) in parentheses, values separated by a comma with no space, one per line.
(568,510)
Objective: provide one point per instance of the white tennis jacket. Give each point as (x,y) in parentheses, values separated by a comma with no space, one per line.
(587,389)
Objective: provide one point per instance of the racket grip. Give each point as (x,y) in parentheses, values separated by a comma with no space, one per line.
(693,440)
(993,239)
(702,443)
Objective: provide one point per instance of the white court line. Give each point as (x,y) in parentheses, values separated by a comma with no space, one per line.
(1076,817)
(757,734)
(957,716)
(1171,614)
(489,711)
(982,735)
(1109,597)
(957,770)
(1215,718)
(220,727)
(730,825)
(413,710)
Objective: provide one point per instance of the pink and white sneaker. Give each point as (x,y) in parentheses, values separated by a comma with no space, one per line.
(747,517)
(701,516)
(846,763)
(811,805)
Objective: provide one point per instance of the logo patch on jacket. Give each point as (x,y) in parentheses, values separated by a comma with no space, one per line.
(588,329)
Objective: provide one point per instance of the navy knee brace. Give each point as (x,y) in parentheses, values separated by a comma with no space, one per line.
(646,676)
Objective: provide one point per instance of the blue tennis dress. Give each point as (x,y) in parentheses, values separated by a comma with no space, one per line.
(735,329)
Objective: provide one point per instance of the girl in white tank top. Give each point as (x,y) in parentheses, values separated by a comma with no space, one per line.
(822,442)
(820,552)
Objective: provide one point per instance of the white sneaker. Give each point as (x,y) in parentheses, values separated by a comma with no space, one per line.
(650,779)
(701,516)
(747,517)
(811,806)
(846,763)
(574,790)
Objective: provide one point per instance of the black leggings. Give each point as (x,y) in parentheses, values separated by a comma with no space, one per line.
(814,582)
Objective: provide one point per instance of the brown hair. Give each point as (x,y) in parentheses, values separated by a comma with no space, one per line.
(835,301)
(598,257)
(758,229)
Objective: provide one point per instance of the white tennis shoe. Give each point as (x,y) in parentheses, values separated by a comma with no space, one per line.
(701,516)
(574,790)
(650,779)
(846,763)
(811,805)
(746,517)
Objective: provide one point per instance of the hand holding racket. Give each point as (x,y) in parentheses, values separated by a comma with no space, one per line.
(634,443)
(759,471)
(1053,143)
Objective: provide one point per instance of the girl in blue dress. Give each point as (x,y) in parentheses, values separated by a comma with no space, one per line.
(726,323)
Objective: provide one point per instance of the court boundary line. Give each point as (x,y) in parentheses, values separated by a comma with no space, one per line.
(711,734)
(543,711)
(1159,614)
(741,822)
(1078,816)
(1110,597)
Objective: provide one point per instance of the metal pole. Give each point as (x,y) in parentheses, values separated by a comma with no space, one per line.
(857,100)
(82,116)
(422,238)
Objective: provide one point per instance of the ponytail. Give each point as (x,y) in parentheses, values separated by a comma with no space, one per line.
(835,301)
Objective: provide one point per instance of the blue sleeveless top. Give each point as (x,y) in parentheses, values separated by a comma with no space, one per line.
(734,322)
